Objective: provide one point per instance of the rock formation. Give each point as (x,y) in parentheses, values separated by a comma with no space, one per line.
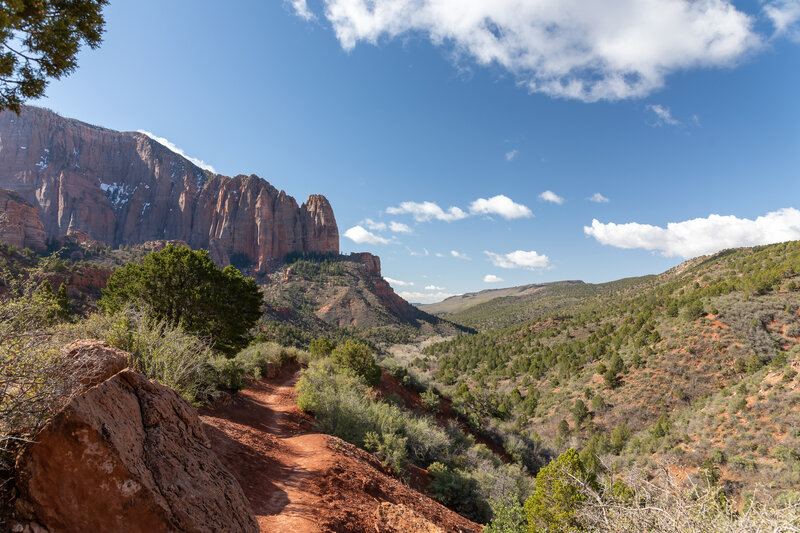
(19,222)
(126,188)
(129,455)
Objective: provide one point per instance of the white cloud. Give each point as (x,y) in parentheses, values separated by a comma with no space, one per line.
(433,288)
(398,283)
(164,142)
(301,8)
(491,278)
(399,227)
(550,196)
(425,211)
(784,15)
(511,155)
(362,236)
(373,225)
(519,259)
(423,253)
(499,205)
(598,50)
(439,254)
(663,115)
(425,297)
(700,236)
(598,198)
(457,255)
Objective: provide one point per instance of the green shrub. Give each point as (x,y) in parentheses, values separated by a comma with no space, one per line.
(458,490)
(184,288)
(321,347)
(507,517)
(598,402)
(579,412)
(356,358)
(620,435)
(430,400)
(391,449)
(554,505)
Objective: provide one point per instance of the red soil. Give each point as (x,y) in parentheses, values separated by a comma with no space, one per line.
(299,480)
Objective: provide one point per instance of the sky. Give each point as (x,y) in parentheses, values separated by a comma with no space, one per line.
(477,144)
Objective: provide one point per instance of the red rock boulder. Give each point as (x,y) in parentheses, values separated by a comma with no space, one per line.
(127,455)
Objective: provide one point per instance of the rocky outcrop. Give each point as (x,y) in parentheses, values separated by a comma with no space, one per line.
(126,455)
(396,305)
(20,224)
(126,188)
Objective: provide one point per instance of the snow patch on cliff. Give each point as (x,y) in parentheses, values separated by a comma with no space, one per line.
(164,142)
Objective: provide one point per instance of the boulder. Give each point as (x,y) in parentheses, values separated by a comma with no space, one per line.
(93,362)
(126,455)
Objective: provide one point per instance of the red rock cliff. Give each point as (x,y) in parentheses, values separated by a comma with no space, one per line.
(126,188)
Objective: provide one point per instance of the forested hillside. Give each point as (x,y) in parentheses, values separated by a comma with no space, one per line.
(697,367)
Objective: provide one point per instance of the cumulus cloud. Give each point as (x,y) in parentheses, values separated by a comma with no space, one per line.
(360,235)
(164,142)
(550,196)
(425,297)
(499,205)
(425,211)
(598,198)
(511,155)
(700,236)
(374,225)
(599,50)
(457,255)
(491,278)
(423,253)
(399,227)
(301,8)
(433,288)
(785,16)
(663,115)
(519,259)
(398,283)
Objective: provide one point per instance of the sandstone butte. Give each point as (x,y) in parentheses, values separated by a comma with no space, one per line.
(62,176)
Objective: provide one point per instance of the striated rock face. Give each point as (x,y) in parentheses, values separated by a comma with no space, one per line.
(126,455)
(126,188)
(20,224)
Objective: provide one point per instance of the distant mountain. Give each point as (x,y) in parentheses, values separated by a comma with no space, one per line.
(462,302)
(122,188)
(493,308)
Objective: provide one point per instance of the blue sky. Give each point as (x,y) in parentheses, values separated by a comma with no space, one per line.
(674,111)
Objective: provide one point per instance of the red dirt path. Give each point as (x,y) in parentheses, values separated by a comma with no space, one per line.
(299,480)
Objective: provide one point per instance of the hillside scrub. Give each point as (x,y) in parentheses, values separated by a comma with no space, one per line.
(646,367)
(466,476)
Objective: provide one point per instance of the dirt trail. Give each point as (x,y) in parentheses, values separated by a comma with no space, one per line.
(265,442)
(298,480)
